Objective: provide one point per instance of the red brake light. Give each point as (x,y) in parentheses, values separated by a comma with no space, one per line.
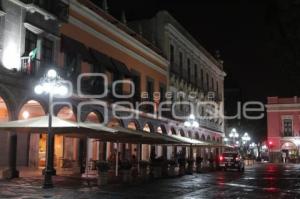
(221,158)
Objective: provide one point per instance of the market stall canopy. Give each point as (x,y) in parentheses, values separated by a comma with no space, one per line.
(150,138)
(59,126)
(90,130)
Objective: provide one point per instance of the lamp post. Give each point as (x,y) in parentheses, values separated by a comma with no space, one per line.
(233,135)
(52,85)
(191,122)
(246,138)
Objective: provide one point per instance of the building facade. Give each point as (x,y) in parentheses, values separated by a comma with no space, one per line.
(79,38)
(194,75)
(283,128)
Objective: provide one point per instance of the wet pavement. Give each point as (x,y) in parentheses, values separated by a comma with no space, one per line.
(259,181)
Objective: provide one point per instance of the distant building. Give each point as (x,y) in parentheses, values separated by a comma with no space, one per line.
(193,71)
(283,115)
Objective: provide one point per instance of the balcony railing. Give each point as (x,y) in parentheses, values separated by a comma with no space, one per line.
(36,67)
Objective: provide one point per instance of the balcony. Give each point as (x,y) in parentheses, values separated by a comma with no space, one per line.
(51,9)
(37,68)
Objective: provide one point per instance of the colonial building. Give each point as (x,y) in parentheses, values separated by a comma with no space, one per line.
(79,39)
(283,127)
(194,75)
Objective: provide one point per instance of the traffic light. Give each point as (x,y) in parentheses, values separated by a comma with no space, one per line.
(270,144)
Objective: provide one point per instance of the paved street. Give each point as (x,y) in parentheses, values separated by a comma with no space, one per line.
(260,181)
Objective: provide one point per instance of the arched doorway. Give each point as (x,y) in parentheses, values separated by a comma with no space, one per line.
(31,149)
(4,148)
(172,150)
(182,149)
(69,151)
(146,149)
(96,150)
(112,147)
(134,148)
(291,150)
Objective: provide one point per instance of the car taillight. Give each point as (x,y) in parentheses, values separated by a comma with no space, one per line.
(221,158)
(237,159)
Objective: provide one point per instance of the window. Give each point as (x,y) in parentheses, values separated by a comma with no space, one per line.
(217,89)
(150,90)
(180,63)
(30,42)
(189,70)
(202,78)
(162,91)
(171,56)
(47,51)
(212,84)
(137,85)
(207,81)
(287,127)
(196,73)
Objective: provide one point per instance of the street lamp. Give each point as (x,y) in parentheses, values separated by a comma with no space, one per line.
(191,122)
(233,134)
(246,138)
(52,85)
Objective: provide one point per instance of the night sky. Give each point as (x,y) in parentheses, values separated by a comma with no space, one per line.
(258,41)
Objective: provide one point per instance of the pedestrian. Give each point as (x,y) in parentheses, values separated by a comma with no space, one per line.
(284,157)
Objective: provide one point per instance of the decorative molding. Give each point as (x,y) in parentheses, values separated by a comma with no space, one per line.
(33,28)
(115,44)
(2,13)
(197,52)
(33,8)
(86,12)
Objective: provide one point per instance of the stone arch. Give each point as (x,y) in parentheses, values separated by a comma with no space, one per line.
(5,113)
(208,138)
(33,108)
(288,145)
(93,117)
(114,122)
(148,127)
(66,113)
(30,145)
(190,134)
(181,132)
(162,129)
(8,102)
(133,124)
(173,131)
(197,137)
(203,137)
(213,139)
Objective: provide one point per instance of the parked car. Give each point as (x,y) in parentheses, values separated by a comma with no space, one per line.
(231,160)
